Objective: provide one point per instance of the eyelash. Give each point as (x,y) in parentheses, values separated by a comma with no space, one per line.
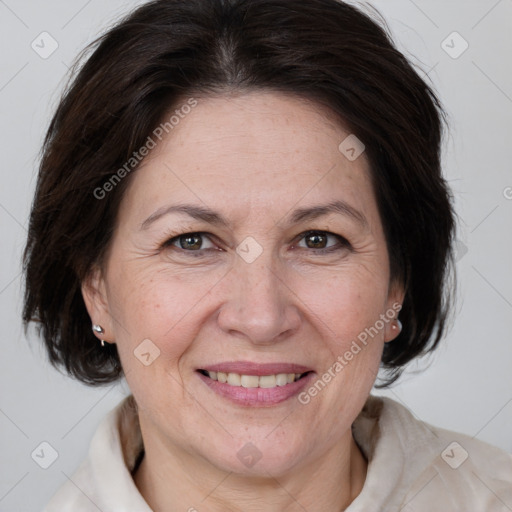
(342,242)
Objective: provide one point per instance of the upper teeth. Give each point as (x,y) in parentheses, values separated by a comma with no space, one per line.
(254,381)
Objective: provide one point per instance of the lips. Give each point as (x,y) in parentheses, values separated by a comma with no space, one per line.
(252,384)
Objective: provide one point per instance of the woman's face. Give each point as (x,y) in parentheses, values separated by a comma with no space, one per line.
(213,267)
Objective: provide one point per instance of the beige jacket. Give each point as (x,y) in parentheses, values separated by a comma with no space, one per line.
(412,467)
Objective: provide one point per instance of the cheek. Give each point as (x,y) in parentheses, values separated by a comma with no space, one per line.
(160,308)
(347,302)
(151,304)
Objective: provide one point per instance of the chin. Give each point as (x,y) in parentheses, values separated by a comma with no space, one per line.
(259,458)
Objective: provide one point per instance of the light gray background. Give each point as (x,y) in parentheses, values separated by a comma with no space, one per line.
(468,384)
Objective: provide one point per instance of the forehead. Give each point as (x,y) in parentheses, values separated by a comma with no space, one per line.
(263,151)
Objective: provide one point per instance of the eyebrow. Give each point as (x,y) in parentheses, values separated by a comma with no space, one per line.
(299,215)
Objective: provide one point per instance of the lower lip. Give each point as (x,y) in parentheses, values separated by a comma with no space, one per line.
(257,397)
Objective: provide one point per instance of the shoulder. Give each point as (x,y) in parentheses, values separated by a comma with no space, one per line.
(466,473)
(103,480)
(75,494)
(445,467)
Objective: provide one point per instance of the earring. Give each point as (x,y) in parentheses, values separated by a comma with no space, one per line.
(397,325)
(99,330)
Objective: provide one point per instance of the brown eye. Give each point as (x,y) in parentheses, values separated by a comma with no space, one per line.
(316,240)
(323,241)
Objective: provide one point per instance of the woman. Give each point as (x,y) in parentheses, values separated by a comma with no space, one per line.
(240,209)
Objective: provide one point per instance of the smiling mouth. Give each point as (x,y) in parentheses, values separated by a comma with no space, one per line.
(254,381)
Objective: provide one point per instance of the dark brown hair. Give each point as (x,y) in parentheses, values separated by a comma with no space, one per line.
(322,50)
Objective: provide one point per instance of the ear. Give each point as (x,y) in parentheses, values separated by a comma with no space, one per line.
(395,300)
(95,297)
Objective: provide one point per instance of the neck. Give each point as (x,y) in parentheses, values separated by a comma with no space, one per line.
(170,480)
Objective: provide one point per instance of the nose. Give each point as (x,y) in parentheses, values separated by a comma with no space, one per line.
(260,305)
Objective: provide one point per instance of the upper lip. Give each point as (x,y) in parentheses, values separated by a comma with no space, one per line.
(258,369)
